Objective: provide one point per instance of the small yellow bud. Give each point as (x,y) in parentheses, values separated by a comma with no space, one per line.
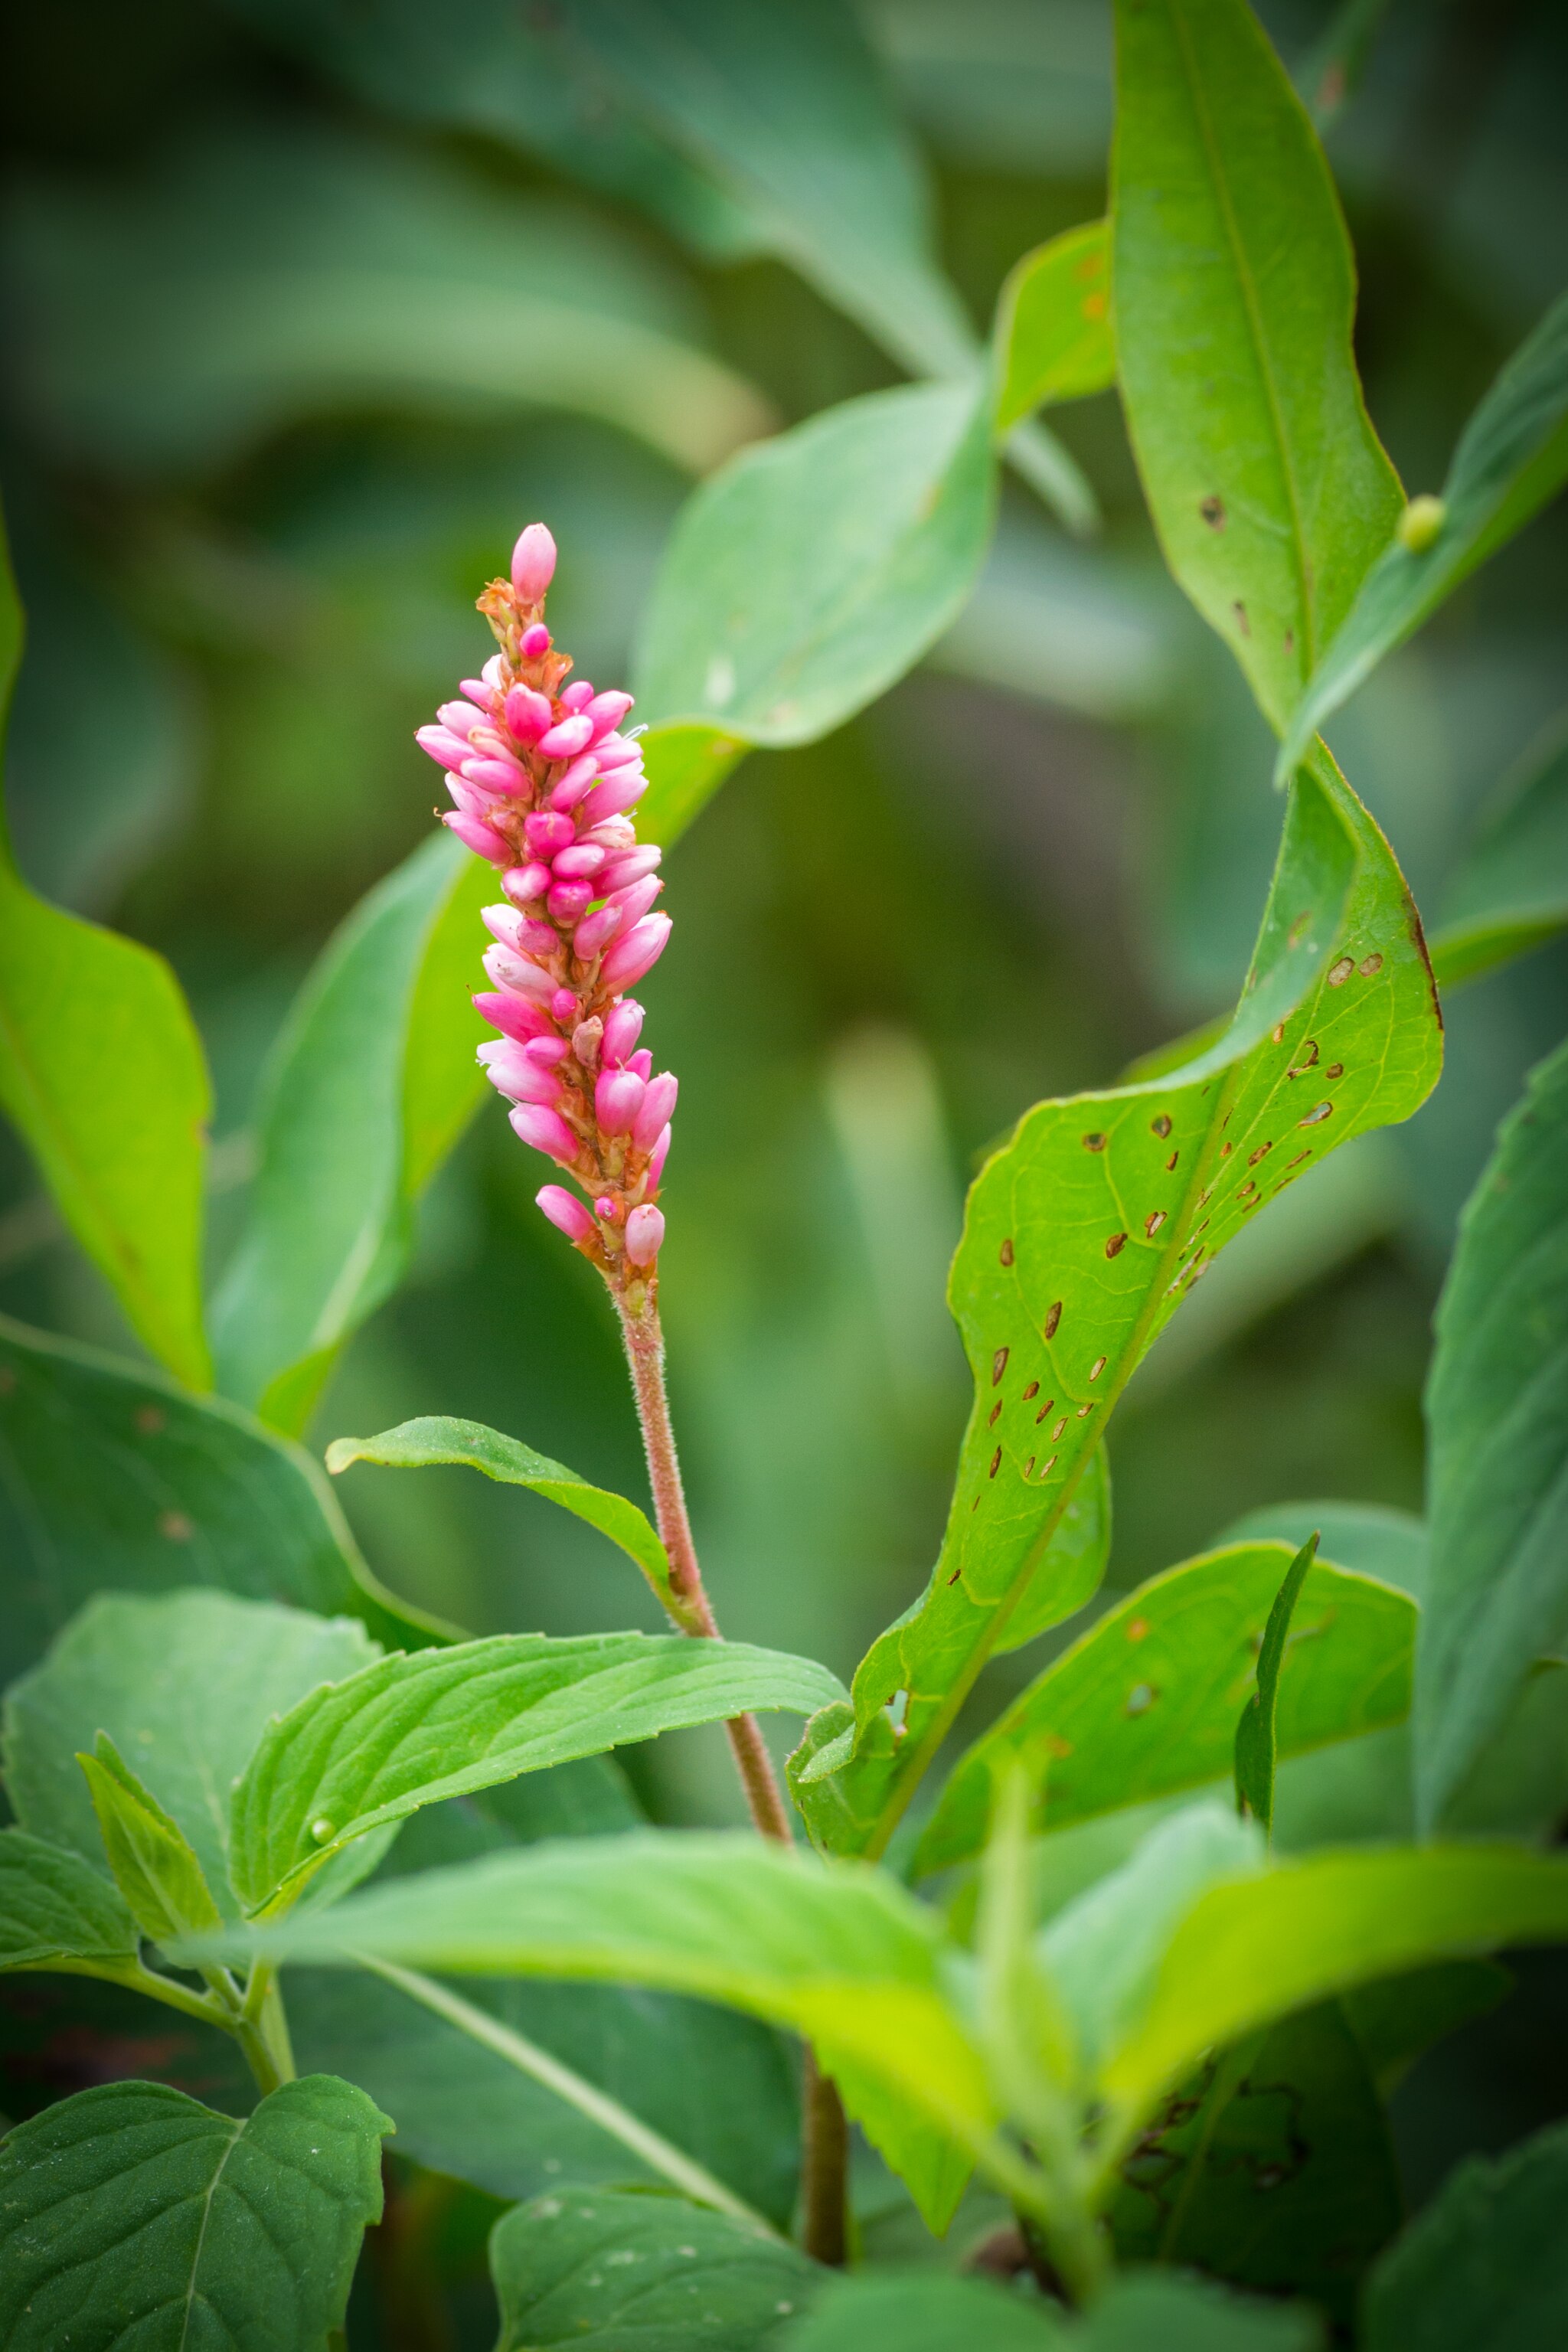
(1419,525)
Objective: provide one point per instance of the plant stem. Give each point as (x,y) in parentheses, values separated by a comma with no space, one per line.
(825,2168)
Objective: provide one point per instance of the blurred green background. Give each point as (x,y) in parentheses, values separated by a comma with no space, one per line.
(305,322)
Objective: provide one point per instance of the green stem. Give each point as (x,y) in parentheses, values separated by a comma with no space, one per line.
(1073,2238)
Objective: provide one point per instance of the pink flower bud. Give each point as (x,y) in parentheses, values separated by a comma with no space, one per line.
(609,1210)
(502,922)
(577,696)
(607,710)
(579,863)
(658,1104)
(617,1099)
(535,641)
(621,790)
(475,691)
(616,751)
(565,1006)
(527,882)
(548,1051)
(630,867)
(546,832)
(497,775)
(645,1234)
(622,1027)
(468,797)
(512,1072)
(494,676)
(461,718)
(518,1016)
(524,979)
(564,1209)
(635,952)
(479,837)
(595,931)
(568,900)
(566,739)
(657,1159)
(440,742)
(528,714)
(635,899)
(574,783)
(546,1130)
(533,563)
(642,1063)
(585,1040)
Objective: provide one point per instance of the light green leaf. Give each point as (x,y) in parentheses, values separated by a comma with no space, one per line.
(130,2209)
(102,1074)
(1511,457)
(597,2269)
(183,1685)
(371,1083)
(1085,1231)
(434,1439)
(407,1732)
(1232,296)
(1053,324)
(1145,1703)
(56,1911)
(1149,2311)
(1484,2263)
(1256,1739)
(153,1864)
(270,272)
(1496,1411)
(111,1475)
(1511,893)
(809,574)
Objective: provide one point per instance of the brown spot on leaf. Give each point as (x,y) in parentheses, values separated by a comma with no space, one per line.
(1094,1142)
(150,1419)
(1152,1221)
(995,1463)
(1171,1161)
(1339,971)
(998,1365)
(1242,623)
(1114,1245)
(991,1421)
(1368,965)
(1053,1317)
(175,1526)
(1161,1125)
(1212,510)
(1006,1253)
(1254,1157)
(1047,1407)
(1032,1391)
(1137,1629)
(1278,1032)
(1096,1369)
(1319,1112)
(1335,1070)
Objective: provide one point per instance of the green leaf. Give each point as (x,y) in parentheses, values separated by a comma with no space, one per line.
(371,1083)
(274,271)
(102,1074)
(1511,892)
(1085,1231)
(111,1475)
(1497,1410)
(929,2311)
(407,1732)
(56,1911)
(434,1439)
(601,2270)
(1144,1703)
(811,573)
(1369,1539)
(1053,324)
(1257,1734)
(1234,290)
(1511,457)
(185,1685)
(130,2209)
(1397,2018)
(1484,2263)
(154,1866)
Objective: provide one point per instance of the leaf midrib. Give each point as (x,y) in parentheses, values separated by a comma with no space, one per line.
(209,2201)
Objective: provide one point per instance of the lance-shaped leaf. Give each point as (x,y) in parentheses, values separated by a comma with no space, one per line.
(807,575)
(1510,892)
(1511,457)
(1085,1231)
(1497,1408)
(407,1732)
(112,1476)
(1257,1733)
(436,1439)
(1232,296)
(102,1074)
(1053,324)
(153,1864)
(58,1912)
(1145,1703)
(1484,2263)
(598,2269)
(132,2213)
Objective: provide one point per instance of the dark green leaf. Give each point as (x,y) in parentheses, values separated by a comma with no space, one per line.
(1485,2264)
(1137,2312)
(1255,1733)
(1053,324)
(153,1864)
(129,2209)
(56,1909)
(1511,893)
(1396,2019)
(607,2271)
(1233,292)
(1511,457)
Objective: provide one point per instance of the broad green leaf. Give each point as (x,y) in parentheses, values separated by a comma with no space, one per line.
(102,1074)
(111,1475)
(1085,1231)
(1484,2263)
(1511,892)
(183,1685)
(153,1864)
(811,573)
(1233,292)
(1053,324)
(273,272)
(407,1732)
(1257,1734)
(1148,2311)
(601,2270)
(1496,1411)
(1145,1703)
(371,1083)
(1397,2018)
(133,2214)
(1369,1539)
(436,1439)
(56,1911)
(1511,457)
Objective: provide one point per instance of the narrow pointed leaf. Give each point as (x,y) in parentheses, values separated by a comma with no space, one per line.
(56,1911)
(153,1864)
(1233,293)
(1510,892)
(1053,324)
(1257,1733)
(1485,2262)
(1512,458)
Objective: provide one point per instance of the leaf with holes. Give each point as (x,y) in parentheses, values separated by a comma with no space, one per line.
(1233,292)
(130,2208)
(1083,1235)
(1257,1733)
(407,1732)
(1145,1703)
(1510,892)
(1484,2262)
(58,1912)
(1053,324)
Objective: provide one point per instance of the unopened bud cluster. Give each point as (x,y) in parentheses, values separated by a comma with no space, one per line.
(543,782)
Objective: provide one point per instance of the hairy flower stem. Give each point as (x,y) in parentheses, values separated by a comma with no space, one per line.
(825,2148)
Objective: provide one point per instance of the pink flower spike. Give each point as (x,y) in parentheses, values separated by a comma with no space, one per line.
(635,952)
(576,783)
(479,837)
(450,750)
(497,775)
(642,1063)
(630,867)
(657,1105)
(635,899)
(546,832)
(533,563)
(565,1006)
(577,696)
(546,1130)
(535,641)
(617,1099)
(518,1016)
(566,739)
(607,710)
(616,752)
(579,863)
(623,1026)
(523,979)
(609,1210)
(621,790)
(460,717)
(527,882)
(528,714)
(645,1234)
(502,922)
(657,1159)
(564,1209)
(568,900)
(476,690)
(547,1051)
(511,1072)
(468,797)
(595,931)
